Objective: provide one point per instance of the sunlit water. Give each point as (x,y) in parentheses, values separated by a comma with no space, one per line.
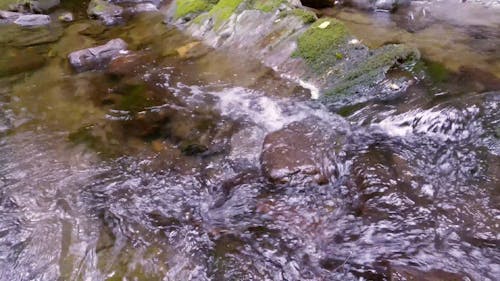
(155,174)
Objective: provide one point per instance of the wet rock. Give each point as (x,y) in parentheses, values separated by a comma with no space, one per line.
(246,146)
(302,151)
(127,64)
(325,57)
(16,61)
(406,273)
(97,57)
(107,12)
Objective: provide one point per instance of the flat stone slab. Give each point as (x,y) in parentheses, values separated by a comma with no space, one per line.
(97,57)
(24,19)
(32,20)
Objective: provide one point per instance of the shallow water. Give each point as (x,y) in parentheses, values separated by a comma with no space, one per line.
(154,173)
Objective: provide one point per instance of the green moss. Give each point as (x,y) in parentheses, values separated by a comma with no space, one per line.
(267,5)
(223,10)
(135,98)
(319,44)
(437,71)
(186,7)
(306,16)
(369,71)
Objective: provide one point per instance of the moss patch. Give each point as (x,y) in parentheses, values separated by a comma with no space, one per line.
(223,10)
(306,16)
(319,44)
(369,71)
(186,7)
(267,5)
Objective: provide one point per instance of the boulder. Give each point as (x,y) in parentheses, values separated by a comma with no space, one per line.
(97,57)
(303,151)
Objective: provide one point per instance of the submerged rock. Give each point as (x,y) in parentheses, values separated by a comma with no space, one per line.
(19,36)
(302,151)
(15,61)
(96,57)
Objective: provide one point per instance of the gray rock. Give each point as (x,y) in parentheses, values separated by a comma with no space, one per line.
(32,20)
(44,5)
(9,17)
(96,57)
(107,12)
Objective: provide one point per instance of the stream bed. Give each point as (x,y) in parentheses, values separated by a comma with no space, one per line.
(175,164)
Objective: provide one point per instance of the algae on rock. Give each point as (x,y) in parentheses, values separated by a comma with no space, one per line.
(319,44)
(223,10)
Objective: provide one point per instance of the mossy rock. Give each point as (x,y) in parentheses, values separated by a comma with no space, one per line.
(223,10)
(267,5)
(306,16)
(372,69)
(192,7)
(319,44)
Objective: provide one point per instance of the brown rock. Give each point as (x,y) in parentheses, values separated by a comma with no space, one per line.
(302,150)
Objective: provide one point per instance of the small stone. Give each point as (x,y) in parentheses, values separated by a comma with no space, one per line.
(66,17)
(324,25)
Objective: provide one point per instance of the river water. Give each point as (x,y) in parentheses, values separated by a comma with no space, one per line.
(152,171)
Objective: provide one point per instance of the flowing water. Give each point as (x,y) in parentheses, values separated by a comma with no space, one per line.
(152,171)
